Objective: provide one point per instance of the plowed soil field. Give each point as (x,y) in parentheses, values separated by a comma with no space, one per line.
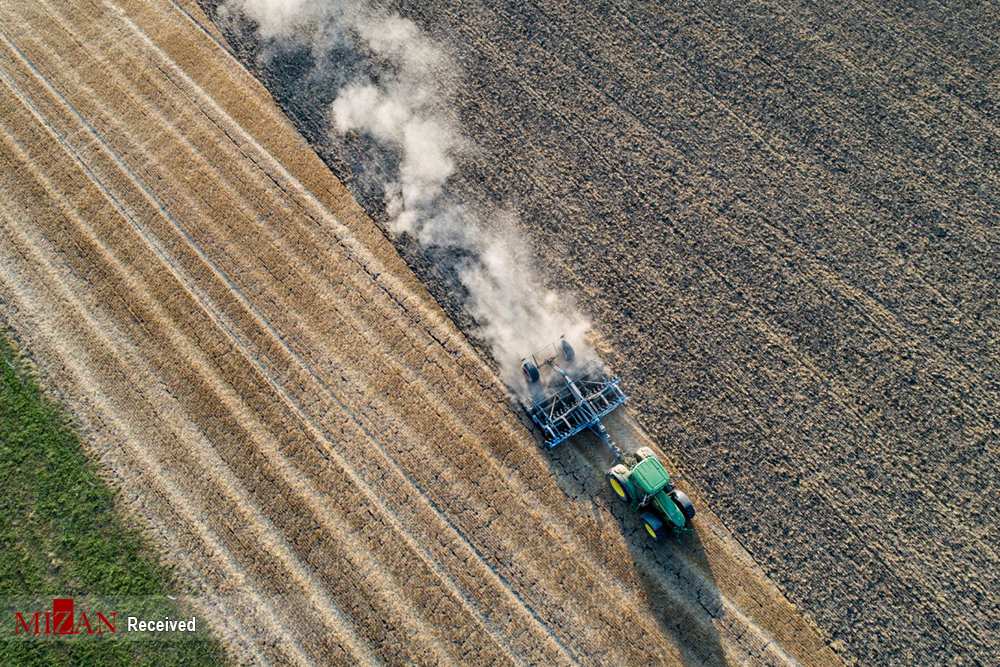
(301,429)
(783,217)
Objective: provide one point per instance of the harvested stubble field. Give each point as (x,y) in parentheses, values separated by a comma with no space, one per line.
(305,434)
(783,217)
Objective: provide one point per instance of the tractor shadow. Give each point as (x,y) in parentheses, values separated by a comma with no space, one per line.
(674,573)
(679,588)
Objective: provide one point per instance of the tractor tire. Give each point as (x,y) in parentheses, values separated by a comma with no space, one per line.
(644,453)
(684,503)
(653,525)
(617,477)
(530,371)
(568,353)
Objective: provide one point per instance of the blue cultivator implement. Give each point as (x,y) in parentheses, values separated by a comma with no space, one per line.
(568,396)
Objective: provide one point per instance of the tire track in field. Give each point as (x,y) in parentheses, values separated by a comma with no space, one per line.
(915,109)
(967,202)
(919,140)
(870,299)
(959,73)
(935,297)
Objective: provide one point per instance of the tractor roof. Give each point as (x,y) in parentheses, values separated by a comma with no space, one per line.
(650,475)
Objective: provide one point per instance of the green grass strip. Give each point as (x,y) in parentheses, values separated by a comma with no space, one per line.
(61,536)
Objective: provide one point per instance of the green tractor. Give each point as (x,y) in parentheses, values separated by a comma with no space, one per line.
(647,487)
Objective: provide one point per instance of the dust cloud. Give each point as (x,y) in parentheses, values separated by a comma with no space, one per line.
(403,105)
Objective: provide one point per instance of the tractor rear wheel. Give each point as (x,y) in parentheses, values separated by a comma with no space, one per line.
(530,372)
(644,453)
(617,480)
(569,354)
(684,503)
(653,525)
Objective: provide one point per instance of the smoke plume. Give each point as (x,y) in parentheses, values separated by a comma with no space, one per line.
(402,103)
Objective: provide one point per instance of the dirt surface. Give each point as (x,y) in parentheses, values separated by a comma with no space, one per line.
(280,402)
(783,219)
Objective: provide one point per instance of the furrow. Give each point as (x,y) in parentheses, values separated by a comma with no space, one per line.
(959,76)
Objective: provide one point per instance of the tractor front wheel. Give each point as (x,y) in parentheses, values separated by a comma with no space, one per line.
(617,480)
(653,525)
